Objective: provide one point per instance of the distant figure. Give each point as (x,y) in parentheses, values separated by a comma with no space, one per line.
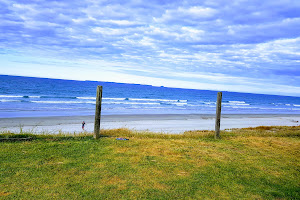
(83,123)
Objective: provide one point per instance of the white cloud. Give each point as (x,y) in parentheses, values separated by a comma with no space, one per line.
(214,44)
(84,20)
(120,22)
(182,13)
(164,32)
(109,31)
(198,11)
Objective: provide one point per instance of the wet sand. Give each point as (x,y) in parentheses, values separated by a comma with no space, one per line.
(154,123)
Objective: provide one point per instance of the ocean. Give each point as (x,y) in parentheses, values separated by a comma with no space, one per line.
(40,97)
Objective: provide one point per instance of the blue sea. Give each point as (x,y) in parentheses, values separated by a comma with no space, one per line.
(38,97)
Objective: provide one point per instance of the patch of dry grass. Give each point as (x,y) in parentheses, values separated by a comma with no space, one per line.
(266,131)
(253,163)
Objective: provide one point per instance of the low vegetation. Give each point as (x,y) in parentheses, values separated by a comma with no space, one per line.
(252,163)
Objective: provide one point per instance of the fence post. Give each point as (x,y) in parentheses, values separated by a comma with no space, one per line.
(98,112)
(218,116)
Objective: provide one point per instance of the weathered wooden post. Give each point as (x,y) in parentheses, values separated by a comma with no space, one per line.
(98,112)
(218,116)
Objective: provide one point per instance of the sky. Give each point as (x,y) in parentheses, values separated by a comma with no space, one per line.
(244,46)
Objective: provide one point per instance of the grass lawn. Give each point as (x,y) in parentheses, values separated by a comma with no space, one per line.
(253,163)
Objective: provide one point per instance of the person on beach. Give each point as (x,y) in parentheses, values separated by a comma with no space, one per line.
(83,123)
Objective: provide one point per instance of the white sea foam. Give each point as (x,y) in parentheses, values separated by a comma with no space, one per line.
(159,100)
(297,105)
(34,96)
(64,102)
(18,96)
(133,99)
(115,99)
(240,102)
(179,104)
(272,108)
(4,100)
(236,103)
(132,103)
(85,97)
(105,98)
(10,96)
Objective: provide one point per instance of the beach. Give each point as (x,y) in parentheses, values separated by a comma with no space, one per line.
(160,123)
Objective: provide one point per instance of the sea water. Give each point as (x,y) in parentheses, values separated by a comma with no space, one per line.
(38,97)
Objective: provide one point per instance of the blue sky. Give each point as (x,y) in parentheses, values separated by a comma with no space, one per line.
(244,46)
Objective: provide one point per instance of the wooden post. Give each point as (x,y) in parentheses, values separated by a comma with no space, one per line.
(98,112)
(218,116)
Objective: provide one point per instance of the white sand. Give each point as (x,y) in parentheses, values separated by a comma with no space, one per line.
(154,123)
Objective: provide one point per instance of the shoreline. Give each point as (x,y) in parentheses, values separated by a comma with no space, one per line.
(161,123)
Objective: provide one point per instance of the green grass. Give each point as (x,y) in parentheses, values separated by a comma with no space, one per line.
(253,163)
